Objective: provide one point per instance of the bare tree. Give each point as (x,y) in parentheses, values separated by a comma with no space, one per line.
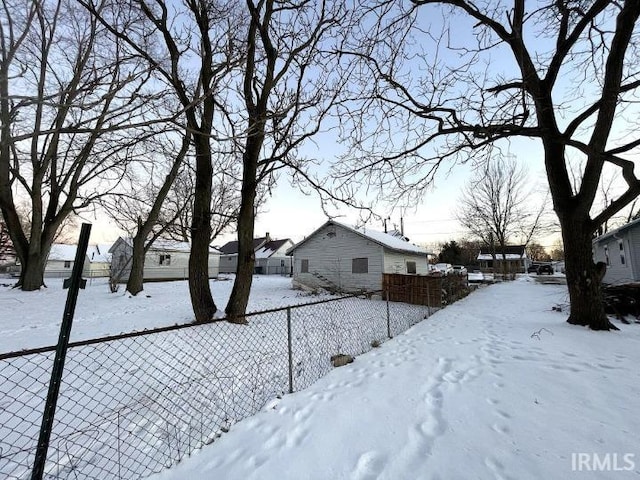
(496,206)
(68,93)
(139,209)
(456,79)
(289,86)
(192,45)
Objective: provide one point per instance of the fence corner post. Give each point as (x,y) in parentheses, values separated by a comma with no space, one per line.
(388,318)
(290,349)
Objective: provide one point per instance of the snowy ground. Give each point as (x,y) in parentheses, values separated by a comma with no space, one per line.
(32,319)
(496,386)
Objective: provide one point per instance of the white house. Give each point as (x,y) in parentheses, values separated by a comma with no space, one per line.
(165,260)
(271,257)
(349,259)
(62,257)
(619,249)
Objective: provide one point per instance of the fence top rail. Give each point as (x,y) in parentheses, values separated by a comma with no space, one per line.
(141,333)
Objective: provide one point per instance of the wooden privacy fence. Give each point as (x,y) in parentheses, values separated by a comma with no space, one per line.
(430,290)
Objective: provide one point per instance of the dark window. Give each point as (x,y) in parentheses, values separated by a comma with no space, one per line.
(411,267)
(622,259)
(360,265)
(606,255)
(67,264)
(165,259)
(304,266)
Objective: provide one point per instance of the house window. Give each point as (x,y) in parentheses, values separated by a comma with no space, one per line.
(67,264)
(606,255)
(411,267)
(360,265)
(165,260)
(282,263)
(621,247)
(304,266)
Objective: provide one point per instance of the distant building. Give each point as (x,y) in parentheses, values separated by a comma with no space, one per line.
(164,260)
(271,258)
(513,259)
(349,259)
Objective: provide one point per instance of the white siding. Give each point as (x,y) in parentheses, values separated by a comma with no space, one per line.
(330,253)
(396,262)
(177,269)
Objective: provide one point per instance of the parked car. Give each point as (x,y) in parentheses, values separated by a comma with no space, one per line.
(444,268)
(459,269)
(542,269)
(533,268)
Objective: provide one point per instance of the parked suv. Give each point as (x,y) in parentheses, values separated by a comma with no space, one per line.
(444,268)
(542,269)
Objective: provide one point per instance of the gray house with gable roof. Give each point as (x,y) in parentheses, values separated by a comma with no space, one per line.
(349,259)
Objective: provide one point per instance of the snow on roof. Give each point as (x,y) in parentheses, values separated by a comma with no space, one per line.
(384,239)
(508,256)
(99,253)
(63,252)
(269,248)
(167,245)
(613,233)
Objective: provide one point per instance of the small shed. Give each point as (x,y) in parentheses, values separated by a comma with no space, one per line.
(619,249)
(344,258)
(164,260)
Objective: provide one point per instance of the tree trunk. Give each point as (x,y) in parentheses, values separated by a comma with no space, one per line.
(32,273)
(199,289)
(135,283)
(583,280)
(239,299)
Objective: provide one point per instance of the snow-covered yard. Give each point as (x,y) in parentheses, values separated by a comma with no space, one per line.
(496,386)
(133,405)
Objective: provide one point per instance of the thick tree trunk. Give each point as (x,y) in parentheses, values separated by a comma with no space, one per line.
(32,273)
(199,289)
(583,280)
(239,299)
(135,283)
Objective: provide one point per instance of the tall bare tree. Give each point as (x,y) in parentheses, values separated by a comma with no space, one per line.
(68,93)
(289,87)
(192,45)
(497,206)
(457,78)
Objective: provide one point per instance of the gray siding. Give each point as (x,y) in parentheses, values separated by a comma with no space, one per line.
(228,263)
(617,271)
(330,253)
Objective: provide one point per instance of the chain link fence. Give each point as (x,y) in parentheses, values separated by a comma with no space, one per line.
(134,404)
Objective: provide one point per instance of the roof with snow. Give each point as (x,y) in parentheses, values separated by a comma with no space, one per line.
(384,239)
(63,252)
(613,233)
(268,249)
(166,245)
(510,252)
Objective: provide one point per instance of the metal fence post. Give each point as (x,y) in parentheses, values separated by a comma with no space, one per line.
(388,319)
(290,349)
(61,352)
